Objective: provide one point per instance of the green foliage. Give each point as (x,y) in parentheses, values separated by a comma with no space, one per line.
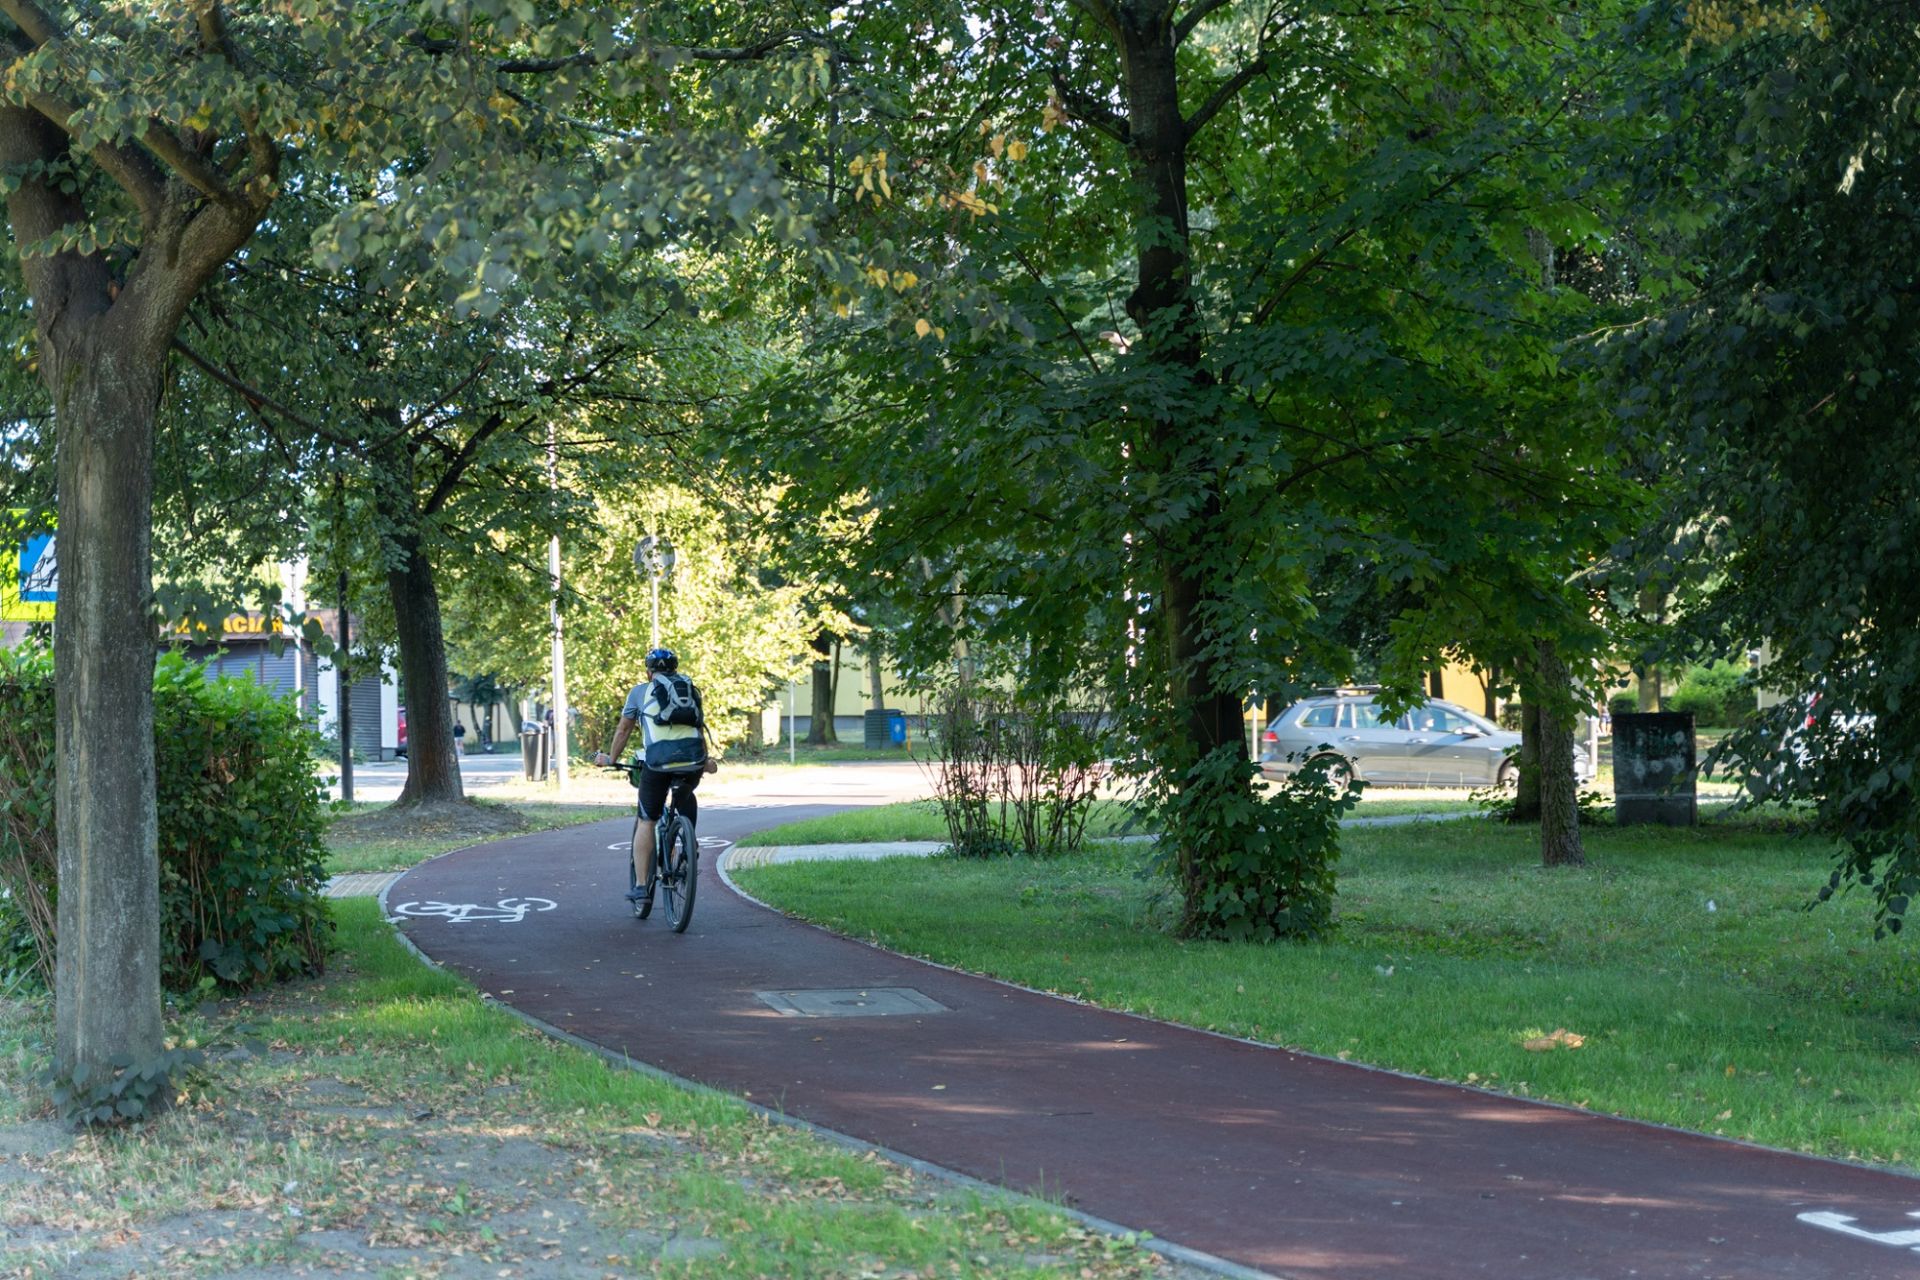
(240,817)
(1194,440)
(27,838)
(1253,867)
(130,1092)
(1623,704)
(1776,393)
(735,633)
(1718,694)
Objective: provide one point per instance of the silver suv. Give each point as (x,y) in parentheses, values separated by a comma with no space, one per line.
(1436,744)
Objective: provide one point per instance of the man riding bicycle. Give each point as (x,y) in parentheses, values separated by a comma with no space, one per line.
(673,755)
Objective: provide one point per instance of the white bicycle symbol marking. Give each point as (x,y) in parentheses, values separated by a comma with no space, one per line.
(706,842)
(1909,1239)
(506,911)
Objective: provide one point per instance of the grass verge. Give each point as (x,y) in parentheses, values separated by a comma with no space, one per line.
(1707,995)
(386,1119)
(908,820)
(920,820)
(349,853)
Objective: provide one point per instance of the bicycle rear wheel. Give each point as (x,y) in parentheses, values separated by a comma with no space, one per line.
(679,873)
(643,909)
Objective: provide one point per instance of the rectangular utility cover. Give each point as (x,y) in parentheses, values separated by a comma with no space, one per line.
(850,1002)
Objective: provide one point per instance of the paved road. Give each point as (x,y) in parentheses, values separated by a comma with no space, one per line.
(1298,1166)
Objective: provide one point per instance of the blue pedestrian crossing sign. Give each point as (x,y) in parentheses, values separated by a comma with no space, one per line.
(29,574)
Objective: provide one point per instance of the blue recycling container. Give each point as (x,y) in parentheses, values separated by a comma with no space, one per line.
(897,727)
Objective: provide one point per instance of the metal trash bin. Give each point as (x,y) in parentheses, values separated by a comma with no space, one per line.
(532,761)
(876,728)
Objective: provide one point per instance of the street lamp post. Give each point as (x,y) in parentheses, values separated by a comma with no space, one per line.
(653,557)
(557,744)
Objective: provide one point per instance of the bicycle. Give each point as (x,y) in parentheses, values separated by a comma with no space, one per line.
(676,858)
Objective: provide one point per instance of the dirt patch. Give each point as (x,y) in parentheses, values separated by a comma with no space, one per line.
(461,819)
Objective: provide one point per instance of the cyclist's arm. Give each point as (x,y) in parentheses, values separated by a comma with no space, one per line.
(621,733)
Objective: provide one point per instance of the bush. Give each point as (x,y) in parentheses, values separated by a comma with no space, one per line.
(1012,773)
(1623,704)
(241,857)
(1717,694)
(1253,867)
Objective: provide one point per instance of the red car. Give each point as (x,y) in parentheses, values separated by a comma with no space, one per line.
(400,751)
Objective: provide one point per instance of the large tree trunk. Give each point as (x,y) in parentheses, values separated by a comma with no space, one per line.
(1559,787)
(1208,766)
(433,768)
(820,731)
(107,978)
(1162,305)
(102,345)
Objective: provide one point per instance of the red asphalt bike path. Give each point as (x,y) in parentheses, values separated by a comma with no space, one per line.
(1285,1163)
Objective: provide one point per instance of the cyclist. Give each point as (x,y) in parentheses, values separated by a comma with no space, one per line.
(667,708)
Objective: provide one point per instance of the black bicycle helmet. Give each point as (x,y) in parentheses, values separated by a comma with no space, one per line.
(662,660)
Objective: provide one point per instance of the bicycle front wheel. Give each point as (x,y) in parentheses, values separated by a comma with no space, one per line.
(680,874)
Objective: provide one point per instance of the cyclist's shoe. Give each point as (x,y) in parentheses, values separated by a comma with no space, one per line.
(640,893)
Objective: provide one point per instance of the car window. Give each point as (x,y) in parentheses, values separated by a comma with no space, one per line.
(1319,718)
(1439,720)
(1367,716)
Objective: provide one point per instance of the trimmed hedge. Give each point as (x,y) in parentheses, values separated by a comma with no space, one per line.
(241,852)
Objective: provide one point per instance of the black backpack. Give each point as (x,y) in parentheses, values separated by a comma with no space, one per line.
(678,699)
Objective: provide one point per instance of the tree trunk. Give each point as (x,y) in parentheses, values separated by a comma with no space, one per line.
(820,730)
(1203,761)
(433,768)
(102,345)
(107,975)
(1653,607)
(1559,787)
(753,740)
(1162,306)
(875,673)
(1492,708)
(1526,800)
(1436,684)
(1647,694)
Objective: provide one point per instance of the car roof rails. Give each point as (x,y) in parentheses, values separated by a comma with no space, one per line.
(1345,690)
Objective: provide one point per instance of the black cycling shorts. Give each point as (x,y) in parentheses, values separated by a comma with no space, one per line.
(653,794)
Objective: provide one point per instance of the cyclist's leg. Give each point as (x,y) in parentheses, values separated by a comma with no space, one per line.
(684,802)
(653,802)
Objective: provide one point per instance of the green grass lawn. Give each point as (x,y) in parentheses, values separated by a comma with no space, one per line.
(388,1103)
(910,820)
(920,819)
(1708,996)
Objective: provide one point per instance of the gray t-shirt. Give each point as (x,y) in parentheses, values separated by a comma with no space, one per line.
(636,701)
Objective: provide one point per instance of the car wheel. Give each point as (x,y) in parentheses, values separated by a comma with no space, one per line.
(1508,779)
(1339,774)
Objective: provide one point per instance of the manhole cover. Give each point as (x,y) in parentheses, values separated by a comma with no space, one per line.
(850,1002)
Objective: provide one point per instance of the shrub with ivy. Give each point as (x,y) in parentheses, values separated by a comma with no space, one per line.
(241,856)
